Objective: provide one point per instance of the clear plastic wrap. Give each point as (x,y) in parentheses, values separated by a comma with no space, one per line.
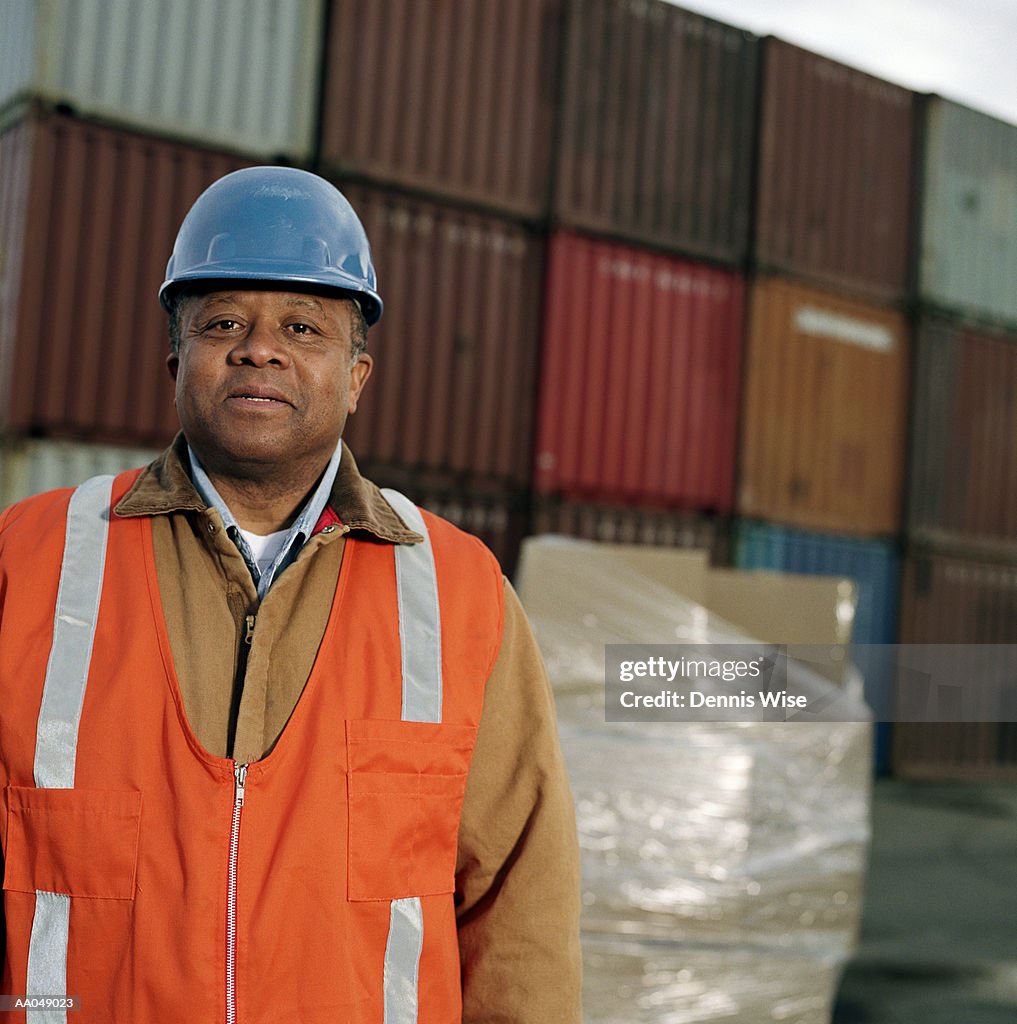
(732,850)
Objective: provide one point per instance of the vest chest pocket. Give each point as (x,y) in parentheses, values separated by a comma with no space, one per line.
(78,842)
(406,784)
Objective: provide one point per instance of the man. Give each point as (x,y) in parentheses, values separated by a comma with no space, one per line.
(274,745)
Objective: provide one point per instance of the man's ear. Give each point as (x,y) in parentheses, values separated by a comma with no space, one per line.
(173,364)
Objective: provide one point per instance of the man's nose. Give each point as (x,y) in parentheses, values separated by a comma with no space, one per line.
(261,346)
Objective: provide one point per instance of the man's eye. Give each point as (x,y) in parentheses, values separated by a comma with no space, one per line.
(300,328)
(222,325)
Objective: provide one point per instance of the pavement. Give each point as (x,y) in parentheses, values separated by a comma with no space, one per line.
(938,943)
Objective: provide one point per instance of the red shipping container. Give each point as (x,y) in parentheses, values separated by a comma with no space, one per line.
(87,223)
(452,392)
(639,378)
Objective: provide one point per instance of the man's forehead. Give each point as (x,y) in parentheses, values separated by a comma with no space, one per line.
(238,296)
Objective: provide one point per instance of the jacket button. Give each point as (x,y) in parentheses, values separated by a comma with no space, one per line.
(328,529)
(211,527)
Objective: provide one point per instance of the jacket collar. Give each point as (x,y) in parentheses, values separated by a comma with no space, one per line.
(165,486)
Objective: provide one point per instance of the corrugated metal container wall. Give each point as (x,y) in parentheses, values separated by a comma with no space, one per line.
(236,73)
(824,415)
(655,136)
(452,391)
(874,565)
(968,250)
(836,164)
(639,377)
(963,460)
(952,600)
(626,525)
(452,97)
(83,336)
(32,466)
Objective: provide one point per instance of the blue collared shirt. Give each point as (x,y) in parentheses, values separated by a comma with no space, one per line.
(297,534)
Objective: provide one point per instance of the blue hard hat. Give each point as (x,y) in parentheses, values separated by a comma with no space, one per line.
(275,224)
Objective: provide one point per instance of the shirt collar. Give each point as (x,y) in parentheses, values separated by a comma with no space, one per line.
(296,535)
(165,486)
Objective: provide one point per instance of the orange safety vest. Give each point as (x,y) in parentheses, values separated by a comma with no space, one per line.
(157,883)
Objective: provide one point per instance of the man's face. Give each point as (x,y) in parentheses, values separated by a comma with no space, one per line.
(265,379)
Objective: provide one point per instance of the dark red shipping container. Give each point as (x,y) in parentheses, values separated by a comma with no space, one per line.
(656,132)
(498,517)
(620,524)
(87,223)
(963,486)
(452,392)
(639,378)
(950,598)
(835,169)
(452,97)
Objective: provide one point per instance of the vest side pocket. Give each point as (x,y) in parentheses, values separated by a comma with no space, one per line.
(78,842)
(406,785)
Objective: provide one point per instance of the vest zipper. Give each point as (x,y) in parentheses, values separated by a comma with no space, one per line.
(240,773)
(249,623)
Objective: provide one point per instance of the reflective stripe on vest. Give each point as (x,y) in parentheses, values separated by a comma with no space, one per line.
(78,596)
(63,694)
(420,651)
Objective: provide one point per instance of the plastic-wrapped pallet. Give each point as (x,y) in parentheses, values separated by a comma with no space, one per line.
(722,861)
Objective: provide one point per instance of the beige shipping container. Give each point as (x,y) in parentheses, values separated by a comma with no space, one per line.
(238,74)
(823,429)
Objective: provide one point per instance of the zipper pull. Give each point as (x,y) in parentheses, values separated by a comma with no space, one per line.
(240,771)
(249,633)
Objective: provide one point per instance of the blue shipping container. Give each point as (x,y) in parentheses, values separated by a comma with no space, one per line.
(874,565)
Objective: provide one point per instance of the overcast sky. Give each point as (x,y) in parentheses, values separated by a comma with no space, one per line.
(961,49)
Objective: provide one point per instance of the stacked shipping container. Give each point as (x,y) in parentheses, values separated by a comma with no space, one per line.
(561,201)
(959,582)
(824,412)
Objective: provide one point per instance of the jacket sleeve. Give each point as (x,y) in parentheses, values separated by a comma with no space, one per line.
(517,876)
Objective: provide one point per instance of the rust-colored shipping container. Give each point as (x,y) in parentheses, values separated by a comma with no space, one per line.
(639,377)
(87,224)
(620,524)
(823,425)
(963,460)
(836,161)
(656,132)
(949,598)
(455,352)
(452,97)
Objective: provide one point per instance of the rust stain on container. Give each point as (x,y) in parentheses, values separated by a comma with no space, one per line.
(835,169)
(963,460)
(949,598)
(90,227)
(639,377)
(451,97)
(656,130)
(455,352)
(823,425)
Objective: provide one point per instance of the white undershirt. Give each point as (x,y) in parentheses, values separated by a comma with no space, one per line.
(265,548)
